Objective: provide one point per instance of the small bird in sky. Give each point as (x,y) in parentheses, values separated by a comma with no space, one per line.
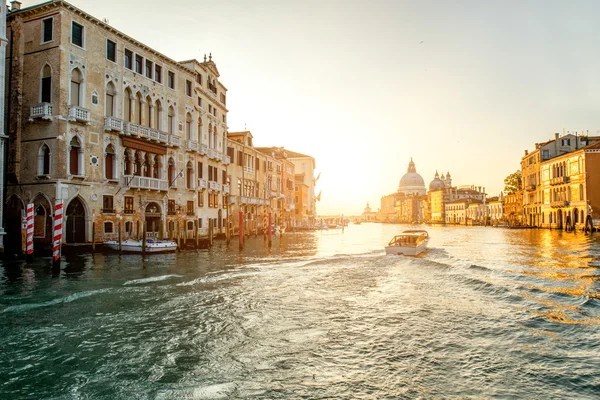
(421,42)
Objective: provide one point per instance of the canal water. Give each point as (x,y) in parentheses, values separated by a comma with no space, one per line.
(486,312)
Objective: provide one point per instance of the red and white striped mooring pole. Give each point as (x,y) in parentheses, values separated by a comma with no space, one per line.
(29,230)
(58,218)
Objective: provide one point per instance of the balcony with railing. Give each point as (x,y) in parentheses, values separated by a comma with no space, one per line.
(149,133)
(174,141)
(113,124)
(559,203)
(249,170)
(144,182)
(214,186)
(163,137)
(226,159)
(213,154)
(203,149)
(530,188)
(41,111)
(202,184)
(79,114)
(559,180)
(131,129)
(191,145)
(231,199)
(226,189)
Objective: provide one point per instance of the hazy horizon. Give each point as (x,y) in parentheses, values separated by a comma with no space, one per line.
(362,87)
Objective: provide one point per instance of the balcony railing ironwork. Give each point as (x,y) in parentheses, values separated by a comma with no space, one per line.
(202,184)
(191,145)
(559,203)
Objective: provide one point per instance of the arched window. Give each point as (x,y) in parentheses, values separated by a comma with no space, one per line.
(148,113)
(189,175)
(110,165)
(39,222)
(188,126)
(75,157)
(109,100)
(127,105)
(46,85)
(76,81)
(43,167)
(171,121)
(171,172)
(157,116)
(215,137)
(138,109)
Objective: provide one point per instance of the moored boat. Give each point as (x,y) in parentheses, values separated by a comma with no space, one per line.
(135,246)
(409,243)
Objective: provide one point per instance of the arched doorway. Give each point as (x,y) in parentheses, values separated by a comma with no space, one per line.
(14,215)
(152,218)
(75,222)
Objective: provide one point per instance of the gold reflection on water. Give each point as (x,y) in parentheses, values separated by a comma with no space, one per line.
(563,260)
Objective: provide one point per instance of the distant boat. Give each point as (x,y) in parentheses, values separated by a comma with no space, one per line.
(408,243)
(135,246)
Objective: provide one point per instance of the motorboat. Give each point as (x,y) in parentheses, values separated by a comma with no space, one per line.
(135,246)
(409,243)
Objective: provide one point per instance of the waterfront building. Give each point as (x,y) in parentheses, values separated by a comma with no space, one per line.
(531,171)
(122,134)
(3,137)
(455,211)
(254,185)
(305,200)
(285,181)
(513,208)
(387,212)
(404,206)
(368,214)
(569,188)
(495,209)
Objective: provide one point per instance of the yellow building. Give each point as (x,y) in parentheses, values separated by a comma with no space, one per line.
(569,185)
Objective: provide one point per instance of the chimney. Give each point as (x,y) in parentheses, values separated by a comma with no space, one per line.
(526,152)
(556,136)
(15,5)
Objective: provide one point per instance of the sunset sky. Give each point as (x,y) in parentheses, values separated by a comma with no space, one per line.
(363,86)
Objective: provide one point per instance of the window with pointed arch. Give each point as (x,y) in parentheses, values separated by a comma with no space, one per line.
(76,82)
(127,105)
(189,175)
(43,166)
(188,126)
(109,100)
(171,172)
(171,121)
(110,162)
(75,157)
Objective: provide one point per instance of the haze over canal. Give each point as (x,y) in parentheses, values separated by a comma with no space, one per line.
(485,312)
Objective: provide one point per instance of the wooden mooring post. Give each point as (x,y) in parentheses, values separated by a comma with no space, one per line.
(93,236)
(144,239)
(120,242)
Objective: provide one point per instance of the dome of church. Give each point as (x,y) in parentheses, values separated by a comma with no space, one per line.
(436,183)
(412,182)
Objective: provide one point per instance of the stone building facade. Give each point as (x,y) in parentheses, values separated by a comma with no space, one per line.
(122,134)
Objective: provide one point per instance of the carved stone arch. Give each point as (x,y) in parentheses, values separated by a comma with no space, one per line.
(44,159)
(75,222)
